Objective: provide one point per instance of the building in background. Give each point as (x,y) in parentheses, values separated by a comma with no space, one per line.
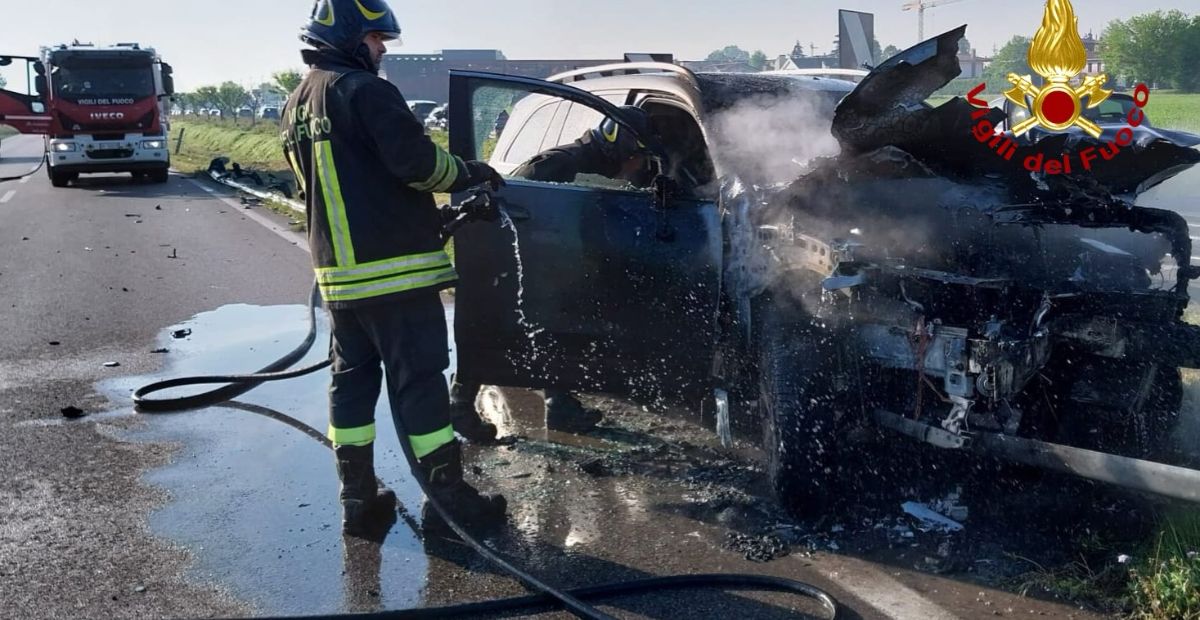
(1095,64)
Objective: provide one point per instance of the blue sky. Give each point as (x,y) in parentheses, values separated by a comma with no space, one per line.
(246,40)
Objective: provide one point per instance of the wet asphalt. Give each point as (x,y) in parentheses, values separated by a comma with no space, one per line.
(223,512)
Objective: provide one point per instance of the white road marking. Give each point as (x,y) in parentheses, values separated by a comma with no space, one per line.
(25,179)
(879,590)
(293,238)
(8,196)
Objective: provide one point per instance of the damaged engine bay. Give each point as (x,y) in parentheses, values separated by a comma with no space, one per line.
(956,294)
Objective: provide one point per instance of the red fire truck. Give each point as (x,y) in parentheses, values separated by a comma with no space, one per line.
(102,109)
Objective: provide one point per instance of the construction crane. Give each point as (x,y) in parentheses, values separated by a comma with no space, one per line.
(920,6)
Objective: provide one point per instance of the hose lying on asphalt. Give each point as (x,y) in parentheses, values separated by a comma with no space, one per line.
(41,164)
(547,598)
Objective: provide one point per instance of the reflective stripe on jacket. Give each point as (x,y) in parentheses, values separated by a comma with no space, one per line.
(367,170)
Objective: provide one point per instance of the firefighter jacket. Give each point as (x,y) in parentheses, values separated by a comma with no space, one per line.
(367,171)
(562,164)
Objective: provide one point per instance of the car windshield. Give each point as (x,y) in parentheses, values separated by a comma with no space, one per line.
(1113,109)
(81,79)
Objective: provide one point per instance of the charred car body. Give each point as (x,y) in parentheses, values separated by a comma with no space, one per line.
(909,279)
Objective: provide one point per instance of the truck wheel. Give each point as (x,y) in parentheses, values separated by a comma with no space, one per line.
(160,176)
(60,179)
(798,401)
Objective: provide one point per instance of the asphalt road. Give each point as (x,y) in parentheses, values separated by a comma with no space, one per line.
(220,513)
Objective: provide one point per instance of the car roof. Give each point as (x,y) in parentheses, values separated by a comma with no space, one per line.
(708,92)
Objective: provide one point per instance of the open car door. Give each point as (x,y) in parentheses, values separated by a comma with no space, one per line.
(22,103)
(596,284)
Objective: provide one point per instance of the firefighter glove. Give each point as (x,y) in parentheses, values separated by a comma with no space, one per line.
(479,173)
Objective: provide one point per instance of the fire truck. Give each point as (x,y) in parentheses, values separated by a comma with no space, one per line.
(101,109)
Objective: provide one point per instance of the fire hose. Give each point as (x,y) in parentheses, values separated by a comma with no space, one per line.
(18,177)
(545,596)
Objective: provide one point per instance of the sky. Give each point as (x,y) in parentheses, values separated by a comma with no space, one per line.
(210,41)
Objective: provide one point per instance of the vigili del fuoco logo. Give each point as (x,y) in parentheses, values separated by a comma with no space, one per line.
(1058,56)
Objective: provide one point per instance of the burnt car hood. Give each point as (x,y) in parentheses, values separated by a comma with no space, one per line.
(888,110)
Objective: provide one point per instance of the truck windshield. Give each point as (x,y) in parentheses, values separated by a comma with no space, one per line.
(80,80)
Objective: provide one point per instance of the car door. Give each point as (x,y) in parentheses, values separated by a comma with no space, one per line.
(586,285)
(22,105)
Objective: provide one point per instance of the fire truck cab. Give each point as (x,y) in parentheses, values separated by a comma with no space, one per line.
(102,109)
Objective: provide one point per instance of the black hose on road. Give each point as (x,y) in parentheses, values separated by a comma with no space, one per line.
(40,165)
(548,598)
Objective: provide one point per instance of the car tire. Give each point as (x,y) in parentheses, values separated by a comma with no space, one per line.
(58,178)
(798,404)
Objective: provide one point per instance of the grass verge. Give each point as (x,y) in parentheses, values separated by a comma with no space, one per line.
(256,148)
(6,131)
(1165,583)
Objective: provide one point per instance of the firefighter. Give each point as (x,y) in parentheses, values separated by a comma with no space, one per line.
(368,173)
(606,150)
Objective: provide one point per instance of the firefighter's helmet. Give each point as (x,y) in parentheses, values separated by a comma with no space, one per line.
(342,24)
(618,143)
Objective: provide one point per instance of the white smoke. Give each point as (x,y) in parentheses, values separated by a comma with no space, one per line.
(769,139)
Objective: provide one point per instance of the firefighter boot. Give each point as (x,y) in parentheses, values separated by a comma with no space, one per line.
(565,413)
(367,511)
(468,423)
(443,473)
(466,419)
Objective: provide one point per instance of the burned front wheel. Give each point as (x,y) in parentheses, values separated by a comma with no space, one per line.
(798,404)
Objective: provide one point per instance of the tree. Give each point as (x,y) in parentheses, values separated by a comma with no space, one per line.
(230,97)
(287,80)
(206,96)
(729,53)
(888,52)
(758,60)
(186,102)
(964,47)
(258,96)
(1012,58)
(1156,48)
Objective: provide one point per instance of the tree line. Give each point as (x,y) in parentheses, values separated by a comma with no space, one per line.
(229,97)
(1160,49)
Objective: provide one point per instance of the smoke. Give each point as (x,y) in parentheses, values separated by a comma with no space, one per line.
(768,139)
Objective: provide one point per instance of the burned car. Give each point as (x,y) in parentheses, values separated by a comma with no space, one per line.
(837,257)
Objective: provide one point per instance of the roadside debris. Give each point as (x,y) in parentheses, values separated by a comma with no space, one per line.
(161,350)
(181,333)
(930,520)
(111,364)
(72,413)
(762,548)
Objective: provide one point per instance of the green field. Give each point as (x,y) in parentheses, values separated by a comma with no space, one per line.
(1175,110)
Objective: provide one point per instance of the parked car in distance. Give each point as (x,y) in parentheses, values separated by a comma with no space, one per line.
(438,118)
(422,107)
(269,113)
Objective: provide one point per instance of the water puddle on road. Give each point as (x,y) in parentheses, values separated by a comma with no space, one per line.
(254,500)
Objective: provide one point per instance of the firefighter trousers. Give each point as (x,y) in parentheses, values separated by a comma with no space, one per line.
(408,338)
